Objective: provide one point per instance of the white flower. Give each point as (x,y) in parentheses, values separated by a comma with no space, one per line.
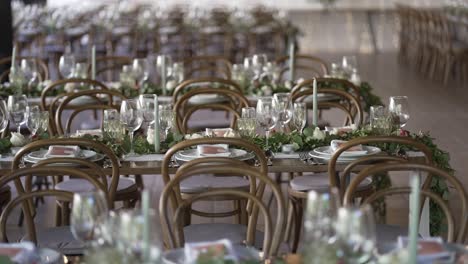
(318,134)
(170,85)
(193,136)
(150,136)
(354,126)
(288,84)
(18,140)
(266,90)
(70,87)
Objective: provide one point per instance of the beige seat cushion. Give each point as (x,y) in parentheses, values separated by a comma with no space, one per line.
(60,239)
(200,183)
(320,182)
(82,185)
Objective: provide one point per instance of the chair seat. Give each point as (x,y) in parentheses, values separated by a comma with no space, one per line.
(321,183)
(215,231)
(60,239)
(81,185)
(201,183)
(389,233)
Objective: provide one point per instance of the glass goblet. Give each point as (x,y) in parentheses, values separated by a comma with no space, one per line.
(266,116)
(17,108)
(132,118)
(399,107)
(300,116)
(67,65)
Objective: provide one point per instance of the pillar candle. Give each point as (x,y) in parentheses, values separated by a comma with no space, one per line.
(93,62)
(13,58)
(156,125)
(414,219)
(314,104)
(292,58)
(146,224)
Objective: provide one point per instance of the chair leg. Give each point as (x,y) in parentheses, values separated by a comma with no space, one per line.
(58,215)
(289,222)
(298,211)
(66,213)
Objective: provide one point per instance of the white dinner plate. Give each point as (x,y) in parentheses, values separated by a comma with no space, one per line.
(36,156)
(207,99)
(367,150)
(324,157)
(191,154)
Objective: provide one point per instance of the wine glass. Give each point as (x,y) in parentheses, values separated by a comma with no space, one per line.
(67,65)
(139,70)
(30,72)
(349,63)
(146,106)
(258,61)
(89,210)
(166,118)
(17,108)
(282,105)
(300,116)
(356,236)
(131,117)
(319,236)
(3,115)
(34,119)
(399,107)
(266,116)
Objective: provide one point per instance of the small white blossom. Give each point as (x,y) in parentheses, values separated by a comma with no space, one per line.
(150,136)
(18,140)
(193,136)
(266,90)
(170,85)
(70,87)
(318,134)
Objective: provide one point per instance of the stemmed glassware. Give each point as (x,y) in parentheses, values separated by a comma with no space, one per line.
(282,105)
(349,64)
(89,211)
(140,70)
(30,71)
(258,61)
(299,118)
(3,115)
(132,118)
(166,118)
(67,65)
(17,108)
(356,237)
(266,116)
(399,107)
(146,106)
(38,120)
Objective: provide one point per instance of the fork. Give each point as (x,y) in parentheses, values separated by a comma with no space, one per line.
(304,157)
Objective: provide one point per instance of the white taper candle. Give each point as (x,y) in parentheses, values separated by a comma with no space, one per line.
(292,58)
(314,104)
(414,218)
(145,200)
(157,146)
(13,58)
(93,62)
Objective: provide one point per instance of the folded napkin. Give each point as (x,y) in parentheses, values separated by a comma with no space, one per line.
(220,132)
(92,132)
(147,157)
(355,150)
(218,150)
(340,130)
(281,155)
(62,152)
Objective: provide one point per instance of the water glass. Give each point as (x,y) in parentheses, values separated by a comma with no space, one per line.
(282,105)
(146,106)
(166,118)
(132,118)
(67,65)
(140,70)
(81,70)
(399,107)
(258,61)
(30,72)
(17,108)
(38,121)
(111,124)
(300,116)
(248,112)
(89,210)
(3,115)
(349,63)
(356,237)
(126,76)
(377,115)
(266,116)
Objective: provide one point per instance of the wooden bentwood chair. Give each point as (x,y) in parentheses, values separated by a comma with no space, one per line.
(456,235)
(236,233)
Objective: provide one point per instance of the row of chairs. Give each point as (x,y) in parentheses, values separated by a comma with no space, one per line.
(109,67)
(428,42)
(251,192)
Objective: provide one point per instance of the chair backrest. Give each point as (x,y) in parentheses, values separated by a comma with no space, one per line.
(83,144)
(207,66)
(42,67)
(25,196)
(341,100)
(407,142)
(219,165)
(331,83)
(227,100)
(204,83)
(311,65)
(108,67)
(431,170)
(99,100)
(56,91)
